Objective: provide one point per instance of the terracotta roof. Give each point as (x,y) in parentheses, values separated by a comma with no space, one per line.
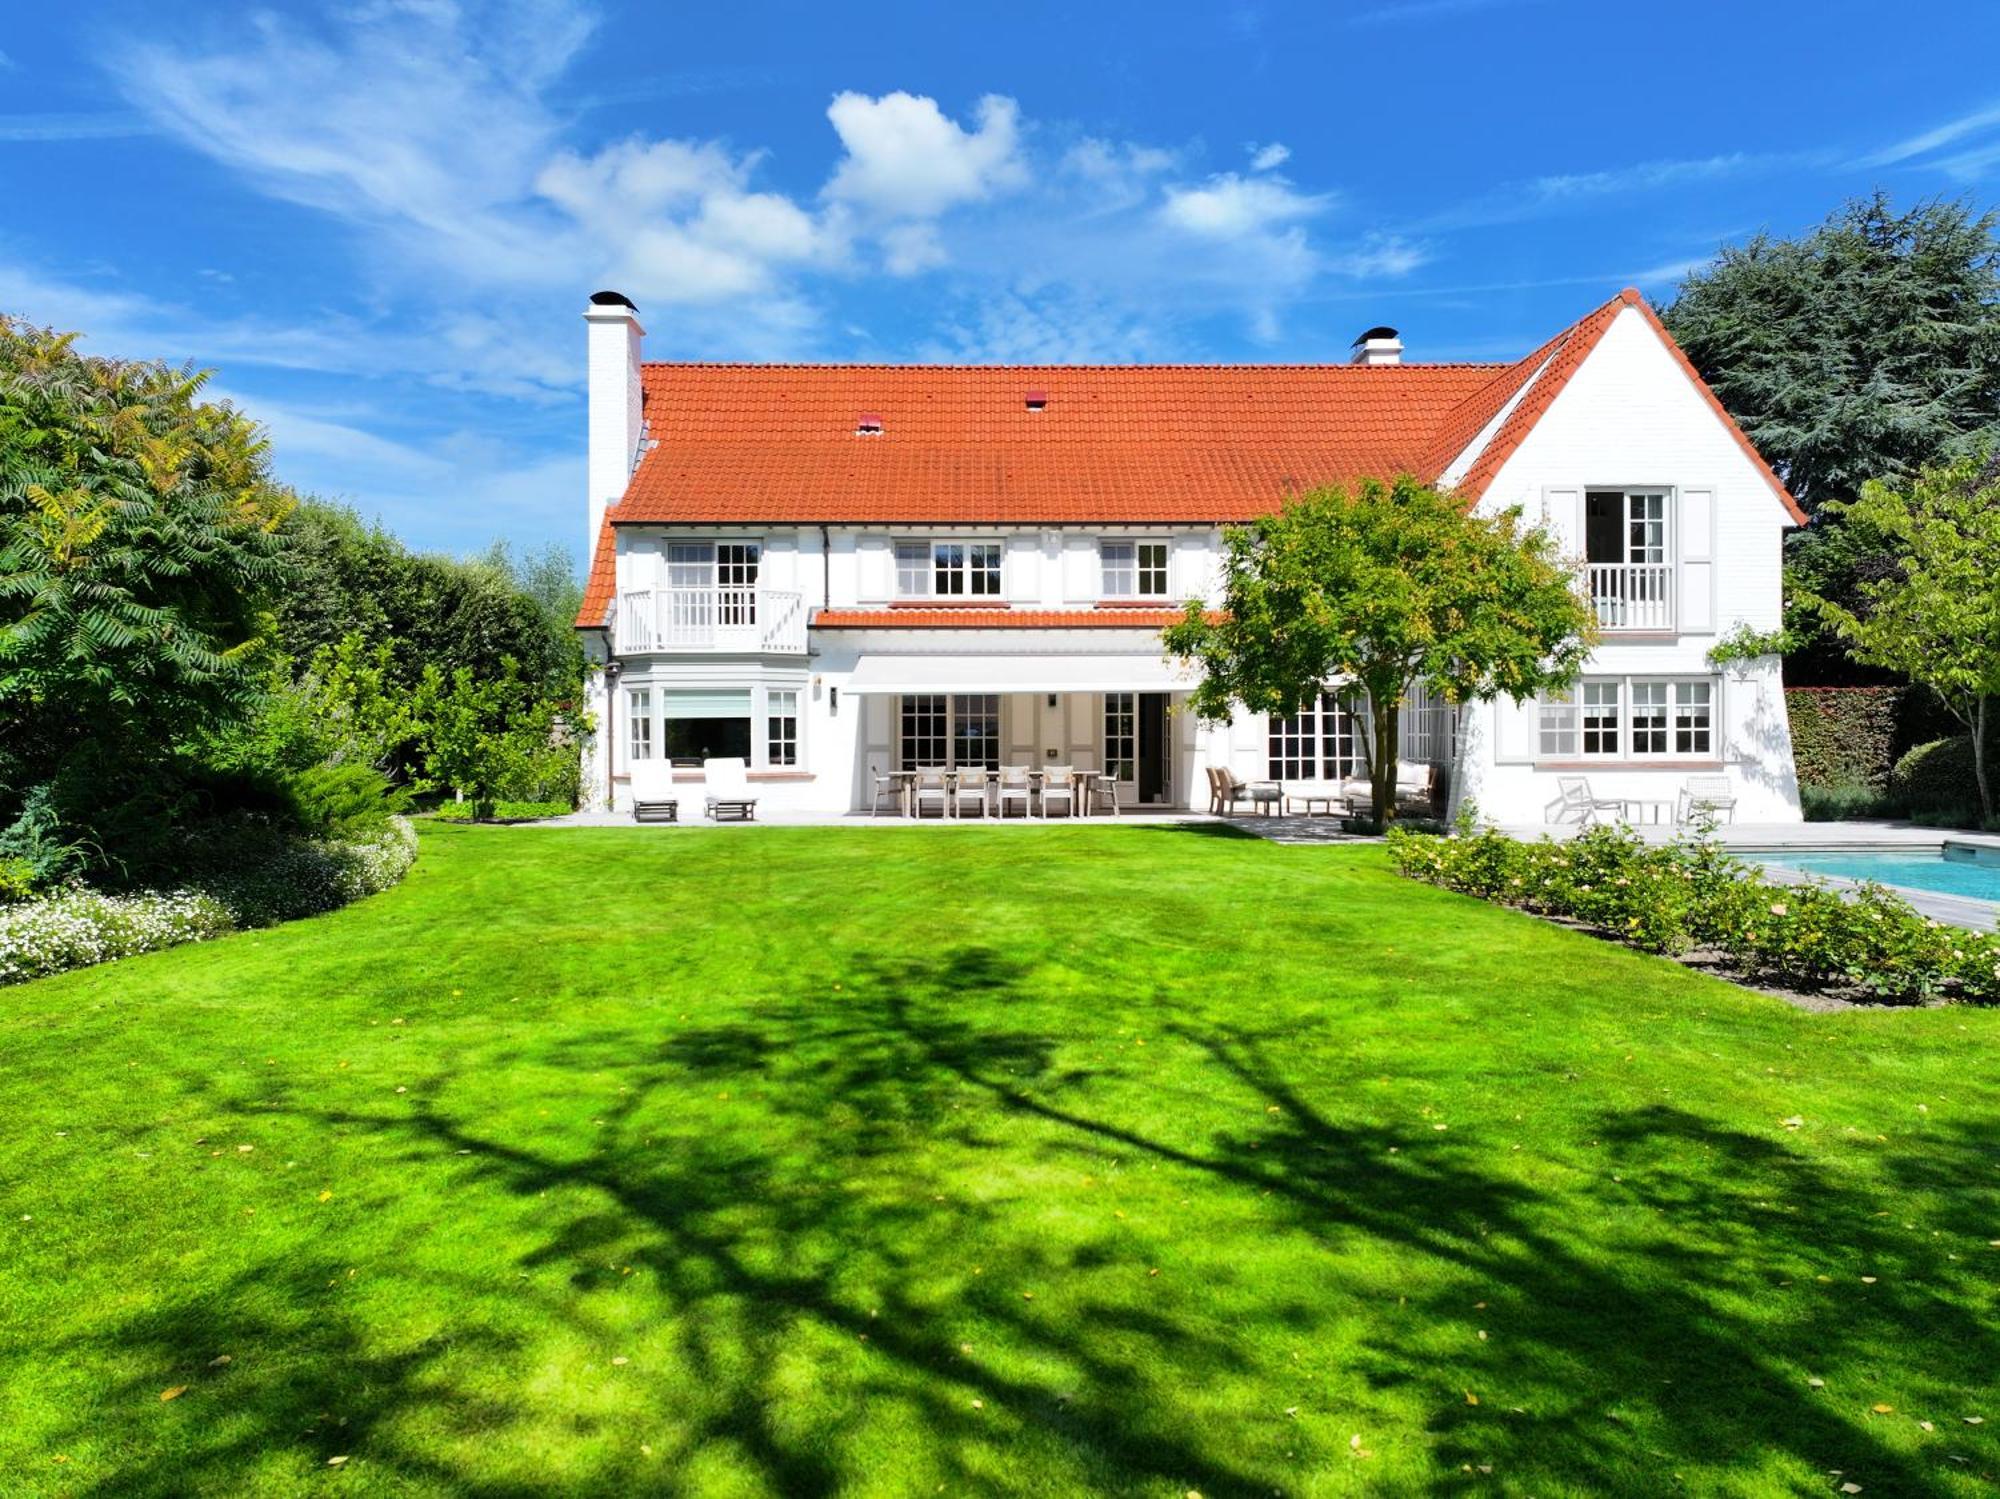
(994,619)
(598,588)
(1116,444)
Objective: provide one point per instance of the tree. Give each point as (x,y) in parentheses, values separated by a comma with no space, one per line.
(1866,349)
(1936,616)
(1386,587)
(139,536)
(475,735)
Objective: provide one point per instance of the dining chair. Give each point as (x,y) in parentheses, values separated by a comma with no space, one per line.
(1059,784)
(889,784)
(969,789)
(1015,785)
(929,790)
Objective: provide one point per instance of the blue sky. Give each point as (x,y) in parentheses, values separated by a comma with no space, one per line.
(377,221)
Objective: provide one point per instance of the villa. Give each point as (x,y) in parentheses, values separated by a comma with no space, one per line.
(838,572)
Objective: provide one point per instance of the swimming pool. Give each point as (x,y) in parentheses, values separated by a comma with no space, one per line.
(1959,869)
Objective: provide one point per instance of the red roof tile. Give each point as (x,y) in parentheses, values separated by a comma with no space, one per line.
(1123,444)
(602,582)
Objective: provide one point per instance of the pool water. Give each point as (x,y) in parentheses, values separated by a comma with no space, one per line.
(1955,872)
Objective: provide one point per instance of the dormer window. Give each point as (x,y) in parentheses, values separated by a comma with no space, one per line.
(868,424)
(1133,569)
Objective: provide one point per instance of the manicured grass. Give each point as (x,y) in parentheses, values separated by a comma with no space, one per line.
(1126,1160)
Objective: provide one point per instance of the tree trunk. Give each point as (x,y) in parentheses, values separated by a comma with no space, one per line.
(1382,766)
(1979,759)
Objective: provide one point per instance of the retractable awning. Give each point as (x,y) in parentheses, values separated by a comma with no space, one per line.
(883,673)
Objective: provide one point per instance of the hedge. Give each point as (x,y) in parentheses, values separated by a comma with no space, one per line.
(1844,736)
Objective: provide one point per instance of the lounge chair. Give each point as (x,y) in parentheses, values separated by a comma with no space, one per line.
(653,797)
(1230,792)
(1576,802)
(1707,796)
(729,790)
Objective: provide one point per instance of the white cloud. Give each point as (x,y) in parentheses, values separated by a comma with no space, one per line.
(1269,158)
(905,159)
(910,248)
(1380,255)
(1966,165)
(105,125)
(1228,206)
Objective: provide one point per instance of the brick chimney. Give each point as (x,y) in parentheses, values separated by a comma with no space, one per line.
(615,405)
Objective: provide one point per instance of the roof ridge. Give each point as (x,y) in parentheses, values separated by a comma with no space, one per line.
(1373,371)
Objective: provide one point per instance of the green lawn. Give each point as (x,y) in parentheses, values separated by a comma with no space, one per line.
(1127,1160)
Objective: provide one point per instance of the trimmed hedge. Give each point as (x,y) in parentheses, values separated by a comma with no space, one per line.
(1844,736)
(1938,780)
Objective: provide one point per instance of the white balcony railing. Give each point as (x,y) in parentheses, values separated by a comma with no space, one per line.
(764,620)
(1631,595)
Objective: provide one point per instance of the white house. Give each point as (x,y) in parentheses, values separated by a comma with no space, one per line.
(838,570)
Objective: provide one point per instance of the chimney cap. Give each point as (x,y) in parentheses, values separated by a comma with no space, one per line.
(612,299)
(1383,331)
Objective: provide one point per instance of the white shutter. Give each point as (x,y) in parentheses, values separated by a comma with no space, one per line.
(1515,730)
(1187,574)
(1696,525)
(1021,568)
(876,581)
(1079,570)
(1562,509)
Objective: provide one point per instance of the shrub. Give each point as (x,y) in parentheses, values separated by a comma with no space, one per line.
(1841,802)
(1936,780)
(1692,893)
(504,811)
(257,876)
(343,800)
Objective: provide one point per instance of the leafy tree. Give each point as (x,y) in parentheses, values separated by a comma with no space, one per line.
(1936,616)
(547,575)
(1865,349)
(1387,586)
(478,735)
(140,530)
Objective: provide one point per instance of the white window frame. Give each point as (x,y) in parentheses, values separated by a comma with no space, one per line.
(640,740)
(1134,567)
(1324,736)
(781,728)
(957,710)
(1676,710)
(926,566)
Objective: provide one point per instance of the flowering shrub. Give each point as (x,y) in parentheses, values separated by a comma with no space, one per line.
(504,811)
(1691,894)
(76,927)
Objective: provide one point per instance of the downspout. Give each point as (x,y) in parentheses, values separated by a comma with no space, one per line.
(612,669)
(825,567)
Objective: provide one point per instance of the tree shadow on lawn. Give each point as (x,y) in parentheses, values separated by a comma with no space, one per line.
(875,1147)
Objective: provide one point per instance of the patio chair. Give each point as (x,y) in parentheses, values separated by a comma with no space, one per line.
(1214,793)
(1015,785)
(1710,795)
(1104,790)
(1576,802)
(653,792)
(969,790)
(929,791)
(1059,784)
(888,784)
(1230,792)
(729,790)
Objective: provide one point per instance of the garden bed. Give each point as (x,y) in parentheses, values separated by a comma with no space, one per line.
(249,883)
(1691,901)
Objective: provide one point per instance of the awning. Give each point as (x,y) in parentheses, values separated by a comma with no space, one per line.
(881,672)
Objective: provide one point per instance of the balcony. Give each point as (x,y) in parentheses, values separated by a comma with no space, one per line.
(750,621)
(1637,596)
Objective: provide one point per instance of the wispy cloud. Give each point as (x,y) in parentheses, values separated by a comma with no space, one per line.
(1977,134)
(1561,192)
(107,125)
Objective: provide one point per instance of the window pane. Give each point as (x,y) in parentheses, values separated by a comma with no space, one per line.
(1649,718)
(913,568)
(1340,746)
(736,582)
(781,727)
(639,723)
(1647,527)
(1120,577)
(1152,569)
(1694,732)
(923,737)
(948,572)
(1556,722)
(1121,735)
(975,733)
(690,564)
(983,563)
(690,741)
(1293,747)
(1600,718)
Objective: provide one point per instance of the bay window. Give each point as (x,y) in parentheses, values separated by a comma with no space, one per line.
(706,725)
(639,724)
